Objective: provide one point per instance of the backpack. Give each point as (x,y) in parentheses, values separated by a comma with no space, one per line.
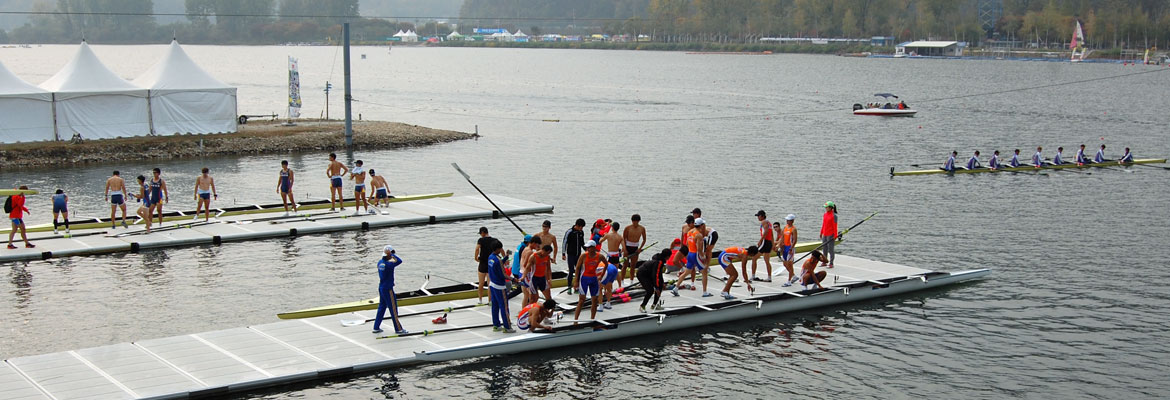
(8,205)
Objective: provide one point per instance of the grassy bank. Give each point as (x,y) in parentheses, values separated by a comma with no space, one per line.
(658,46)
(255,138)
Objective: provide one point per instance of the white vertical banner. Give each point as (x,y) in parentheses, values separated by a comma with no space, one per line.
(294,89)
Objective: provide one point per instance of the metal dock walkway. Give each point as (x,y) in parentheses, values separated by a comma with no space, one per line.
(240,359)
(266,225)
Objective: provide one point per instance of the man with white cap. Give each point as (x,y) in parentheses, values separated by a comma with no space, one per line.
(588,266)
(765,244)
(386,297)
(696,257)
(787,236)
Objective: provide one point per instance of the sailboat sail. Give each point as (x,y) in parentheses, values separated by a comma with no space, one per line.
(1078,44)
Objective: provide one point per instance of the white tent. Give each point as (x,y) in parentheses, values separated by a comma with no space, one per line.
(454,35)
(94,102)
(410,36)
(186,99)
(26,111)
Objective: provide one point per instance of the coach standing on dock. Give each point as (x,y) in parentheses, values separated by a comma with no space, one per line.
(386,299)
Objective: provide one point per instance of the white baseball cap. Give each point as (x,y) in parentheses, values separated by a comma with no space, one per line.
(388,248)
(700,221)
(790,217)
(590,244)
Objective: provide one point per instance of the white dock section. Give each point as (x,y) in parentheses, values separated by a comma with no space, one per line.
(240,359)
(266,225)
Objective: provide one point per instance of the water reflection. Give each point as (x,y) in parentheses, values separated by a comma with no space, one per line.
(21,279)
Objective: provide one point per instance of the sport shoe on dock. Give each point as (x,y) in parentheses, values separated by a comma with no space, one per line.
(707,294)
(377,331)
(402,331)
(509,330)
(727,296)
(673,291)
(642,309)
(607,306)
(497,329)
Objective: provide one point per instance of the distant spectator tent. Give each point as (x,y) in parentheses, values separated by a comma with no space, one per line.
(92,101)
(86,99)
(26,111)
(186,99)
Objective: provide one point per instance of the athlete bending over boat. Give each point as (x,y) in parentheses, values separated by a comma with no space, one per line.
(607,276)
(335,171)
(726,260)
(649,274)
(284,186)
(587,270)
(204,190)
(498,289)
(808,274)
(381,190)
(386,296)
(949,165)
(829,234)
(534,316)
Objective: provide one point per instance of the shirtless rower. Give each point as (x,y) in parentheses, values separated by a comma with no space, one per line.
(116,194)
(613,245)
(533,316)
(764,245)
(635,236)
(381,190)
(335,171)
(688,224)
(807,274)
(727,259)
(204,190)
(548,238)
(284,186)
(158,195)
(358,175)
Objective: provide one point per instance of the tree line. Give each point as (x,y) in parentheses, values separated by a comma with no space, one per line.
(1048,23)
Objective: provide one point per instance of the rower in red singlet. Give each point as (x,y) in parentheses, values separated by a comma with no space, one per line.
(538,267)
(765,245)
(587,272)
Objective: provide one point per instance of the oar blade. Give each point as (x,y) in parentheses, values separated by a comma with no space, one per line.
(465,176)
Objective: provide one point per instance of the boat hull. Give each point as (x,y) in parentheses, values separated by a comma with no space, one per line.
(1027,168)
(882,112)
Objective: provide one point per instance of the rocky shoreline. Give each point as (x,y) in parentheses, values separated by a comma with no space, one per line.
(255,138)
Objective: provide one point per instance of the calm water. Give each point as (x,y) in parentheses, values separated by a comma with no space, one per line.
(1075,309)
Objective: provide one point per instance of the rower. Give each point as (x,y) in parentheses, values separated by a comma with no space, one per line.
(1081,159)
(1126,158)
(1100,157)
(949,166)
(1038,159)
(1058,160)
(534,315)
(731,255)
(808,276)
(993,163)
(973,162)
(587,283)
(1015,162)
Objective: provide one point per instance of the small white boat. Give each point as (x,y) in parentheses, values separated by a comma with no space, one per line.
(884,108)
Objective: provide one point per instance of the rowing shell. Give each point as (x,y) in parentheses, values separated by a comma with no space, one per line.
(228,211)
(1026,168)
(14,192)
(423,296)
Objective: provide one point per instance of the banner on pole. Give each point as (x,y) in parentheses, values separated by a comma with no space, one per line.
(294,89)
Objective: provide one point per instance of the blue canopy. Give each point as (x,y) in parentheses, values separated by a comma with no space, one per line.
(886,95)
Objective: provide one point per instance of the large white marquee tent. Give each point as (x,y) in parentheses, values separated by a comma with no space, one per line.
(26,111)
(186,99)
(85,98)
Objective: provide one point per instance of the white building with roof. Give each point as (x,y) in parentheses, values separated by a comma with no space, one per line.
(92,101)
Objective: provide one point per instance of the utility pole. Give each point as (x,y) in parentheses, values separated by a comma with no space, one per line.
(328,86)
(348,93)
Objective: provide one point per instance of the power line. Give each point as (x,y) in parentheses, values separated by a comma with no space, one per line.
(152,14)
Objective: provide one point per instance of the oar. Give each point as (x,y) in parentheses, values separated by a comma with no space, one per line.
(356,322)
(432,332)
(468,177)
(1144,165)
(777,273)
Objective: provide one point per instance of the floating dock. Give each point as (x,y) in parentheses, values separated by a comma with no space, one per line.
(242,359)
(270,224)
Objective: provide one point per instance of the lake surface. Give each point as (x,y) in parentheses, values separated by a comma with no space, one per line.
(1076,306)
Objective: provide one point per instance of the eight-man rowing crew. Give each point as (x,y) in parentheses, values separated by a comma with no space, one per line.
(1037,161)
(592,272)
(152,193)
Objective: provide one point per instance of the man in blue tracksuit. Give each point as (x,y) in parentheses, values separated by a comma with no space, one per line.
(386,298)
(498,289)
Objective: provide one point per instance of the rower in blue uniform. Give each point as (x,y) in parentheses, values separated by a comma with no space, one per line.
(1015,162)
(1100,157)
(949,166)
(1057,159)
(1038,159)
(973,162)
(1126,158)
(386,297)
(1081,158)
(993,163)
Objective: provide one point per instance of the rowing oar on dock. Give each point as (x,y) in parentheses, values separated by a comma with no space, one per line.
(777,273)
(357,322)
(489,199)
(432,332)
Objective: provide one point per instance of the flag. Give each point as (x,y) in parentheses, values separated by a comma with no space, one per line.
(294,89)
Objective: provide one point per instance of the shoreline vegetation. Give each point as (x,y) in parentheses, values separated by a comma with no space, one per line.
(268,137)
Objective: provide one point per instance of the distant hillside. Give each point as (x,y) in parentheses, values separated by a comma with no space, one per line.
(410,8)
